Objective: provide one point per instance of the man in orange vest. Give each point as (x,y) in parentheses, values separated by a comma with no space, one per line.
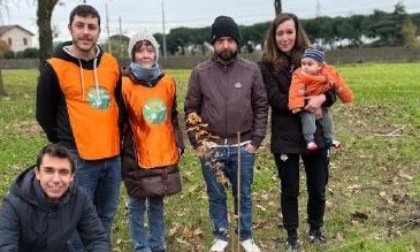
(78,93)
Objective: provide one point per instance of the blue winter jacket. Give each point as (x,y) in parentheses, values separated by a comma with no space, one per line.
(29,222)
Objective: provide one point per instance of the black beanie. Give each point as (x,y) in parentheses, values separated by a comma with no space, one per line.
(224,26)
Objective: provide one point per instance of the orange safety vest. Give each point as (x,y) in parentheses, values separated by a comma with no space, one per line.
(93,112)
(149,111)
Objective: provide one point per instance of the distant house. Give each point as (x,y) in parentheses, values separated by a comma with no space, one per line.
(16,37)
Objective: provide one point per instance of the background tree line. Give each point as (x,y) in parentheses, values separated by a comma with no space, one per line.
(396,28)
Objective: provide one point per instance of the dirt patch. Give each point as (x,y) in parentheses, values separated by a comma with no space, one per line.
(29,128)
(399,213)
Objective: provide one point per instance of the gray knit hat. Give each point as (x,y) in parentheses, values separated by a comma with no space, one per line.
(315,53)
(140,37)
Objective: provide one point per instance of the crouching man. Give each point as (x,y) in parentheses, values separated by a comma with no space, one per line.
(44,208)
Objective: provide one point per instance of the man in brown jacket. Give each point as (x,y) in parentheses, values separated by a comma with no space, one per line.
(228,93)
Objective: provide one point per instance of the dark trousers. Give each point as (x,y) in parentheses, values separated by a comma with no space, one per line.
(316,168)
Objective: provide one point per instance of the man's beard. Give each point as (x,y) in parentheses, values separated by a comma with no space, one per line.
(227,55)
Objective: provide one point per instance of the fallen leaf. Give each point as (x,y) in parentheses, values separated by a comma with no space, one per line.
(402,174)
(174,228)
(261,208)
(354,188)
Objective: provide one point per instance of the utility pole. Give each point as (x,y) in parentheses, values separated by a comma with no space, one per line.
(107,28)
(277,6)
(163,31)
(318,9)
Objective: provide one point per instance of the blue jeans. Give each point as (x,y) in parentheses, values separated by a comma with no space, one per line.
(102,181)
(228,156)
(142,239)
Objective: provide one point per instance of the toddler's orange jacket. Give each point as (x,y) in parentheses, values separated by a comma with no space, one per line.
(304,85)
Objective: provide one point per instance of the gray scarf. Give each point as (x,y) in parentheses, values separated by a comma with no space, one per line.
(146,75)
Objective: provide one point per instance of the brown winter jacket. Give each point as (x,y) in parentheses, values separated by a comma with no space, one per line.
(230,98)
(141,183)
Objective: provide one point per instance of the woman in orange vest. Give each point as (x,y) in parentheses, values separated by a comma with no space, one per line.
(152,143)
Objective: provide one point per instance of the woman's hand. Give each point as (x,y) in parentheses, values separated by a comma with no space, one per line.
(314,103)
(318,113)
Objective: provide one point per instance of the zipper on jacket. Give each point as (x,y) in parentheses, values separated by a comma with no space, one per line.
(226,110)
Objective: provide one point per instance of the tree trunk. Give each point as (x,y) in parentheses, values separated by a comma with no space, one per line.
(44,14)
(2,90)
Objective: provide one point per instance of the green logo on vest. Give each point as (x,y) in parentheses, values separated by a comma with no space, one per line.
(154,111)
(98,98)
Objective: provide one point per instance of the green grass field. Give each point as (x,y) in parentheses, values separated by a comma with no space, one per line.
(374,188)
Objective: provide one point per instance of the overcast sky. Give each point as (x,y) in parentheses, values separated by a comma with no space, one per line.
(139,15)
